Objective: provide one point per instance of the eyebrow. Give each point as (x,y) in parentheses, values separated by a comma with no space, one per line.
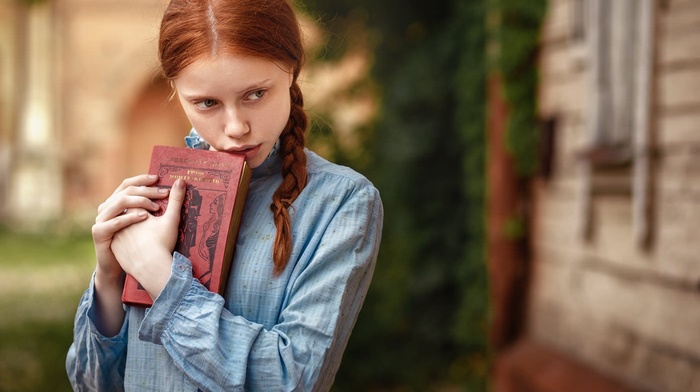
(251,87)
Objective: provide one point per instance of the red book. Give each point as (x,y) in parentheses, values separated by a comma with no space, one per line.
(217,184)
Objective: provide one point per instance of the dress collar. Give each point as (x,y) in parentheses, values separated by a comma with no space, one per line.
(271,165)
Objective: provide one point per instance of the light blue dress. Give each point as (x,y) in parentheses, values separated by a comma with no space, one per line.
(267,333)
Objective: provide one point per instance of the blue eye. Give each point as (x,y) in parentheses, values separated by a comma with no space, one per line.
(205,104)
(255,95)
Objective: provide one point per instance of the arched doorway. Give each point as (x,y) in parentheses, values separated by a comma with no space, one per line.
(155,117)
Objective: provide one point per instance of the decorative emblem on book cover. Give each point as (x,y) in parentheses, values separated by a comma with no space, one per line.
(201,213)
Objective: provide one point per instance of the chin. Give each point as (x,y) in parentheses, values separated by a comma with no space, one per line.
(254,162)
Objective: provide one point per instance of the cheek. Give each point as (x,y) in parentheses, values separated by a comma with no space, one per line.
(278,119)
(274,125)
(205,127)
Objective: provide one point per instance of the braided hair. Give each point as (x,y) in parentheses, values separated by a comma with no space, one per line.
(294,177)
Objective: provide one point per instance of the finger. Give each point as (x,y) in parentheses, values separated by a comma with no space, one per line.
(104,231)
(177,197)
(137,185)
(140,180)
(135,210)
(121,203)
(147,192)
(132,196)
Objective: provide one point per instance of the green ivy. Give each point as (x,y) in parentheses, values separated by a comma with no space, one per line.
(425,320)
(517,35)
(471,318)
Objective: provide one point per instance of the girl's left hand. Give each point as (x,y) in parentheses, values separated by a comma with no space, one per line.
(144,249)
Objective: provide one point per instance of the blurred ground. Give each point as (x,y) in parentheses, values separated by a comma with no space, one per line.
(41,281)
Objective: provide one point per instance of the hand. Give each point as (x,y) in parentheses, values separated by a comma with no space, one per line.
(144,248)
(126,206)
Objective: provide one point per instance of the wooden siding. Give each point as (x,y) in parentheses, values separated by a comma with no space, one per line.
(627,312)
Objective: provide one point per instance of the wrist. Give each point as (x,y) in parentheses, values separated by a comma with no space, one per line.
(105,278)
(109,311)
(154,274)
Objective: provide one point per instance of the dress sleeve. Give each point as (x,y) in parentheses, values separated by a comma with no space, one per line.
(95,362)
(220,351)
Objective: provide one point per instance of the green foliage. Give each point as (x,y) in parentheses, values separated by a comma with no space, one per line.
(424,321)
(517,35)
(471,317)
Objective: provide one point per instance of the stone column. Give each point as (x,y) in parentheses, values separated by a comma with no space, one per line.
(35,187)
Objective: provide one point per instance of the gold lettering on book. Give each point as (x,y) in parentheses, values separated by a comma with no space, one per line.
(205,179)
(195,179)
(196,162)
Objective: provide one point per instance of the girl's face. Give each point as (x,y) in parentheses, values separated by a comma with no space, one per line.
(237,104)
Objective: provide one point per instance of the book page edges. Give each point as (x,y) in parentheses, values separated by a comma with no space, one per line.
(235,225)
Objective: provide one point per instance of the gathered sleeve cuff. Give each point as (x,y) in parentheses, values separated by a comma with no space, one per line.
(181,285)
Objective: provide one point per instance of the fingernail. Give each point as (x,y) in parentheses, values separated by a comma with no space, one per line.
(163,190)
(152,176)
(141,214)
(179,184)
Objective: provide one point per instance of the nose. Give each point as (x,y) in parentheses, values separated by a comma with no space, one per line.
(236,125)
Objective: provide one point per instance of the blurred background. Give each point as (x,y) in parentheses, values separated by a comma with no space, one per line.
(538,163)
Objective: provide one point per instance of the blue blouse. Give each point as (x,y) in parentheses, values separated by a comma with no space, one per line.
(266,333)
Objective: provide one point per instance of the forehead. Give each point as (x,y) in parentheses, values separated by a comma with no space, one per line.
(235,72)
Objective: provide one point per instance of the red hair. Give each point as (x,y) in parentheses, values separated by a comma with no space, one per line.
(269,29)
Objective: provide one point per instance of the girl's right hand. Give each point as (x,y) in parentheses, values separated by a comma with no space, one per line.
(130,203)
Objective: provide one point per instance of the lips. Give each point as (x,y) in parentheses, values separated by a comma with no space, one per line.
(248,151)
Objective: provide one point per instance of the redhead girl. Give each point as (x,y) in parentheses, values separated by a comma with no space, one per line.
(307,244)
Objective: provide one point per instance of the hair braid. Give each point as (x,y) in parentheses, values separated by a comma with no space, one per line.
(294,176)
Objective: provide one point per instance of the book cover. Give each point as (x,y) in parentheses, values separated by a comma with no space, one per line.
(217,184)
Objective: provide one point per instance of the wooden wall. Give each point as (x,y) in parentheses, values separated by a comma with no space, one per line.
(629,312)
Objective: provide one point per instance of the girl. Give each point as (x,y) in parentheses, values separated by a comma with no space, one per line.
(307,244)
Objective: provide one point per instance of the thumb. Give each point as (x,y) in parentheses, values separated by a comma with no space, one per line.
(175,200)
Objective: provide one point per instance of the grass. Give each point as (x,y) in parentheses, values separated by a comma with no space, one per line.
(42,279)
